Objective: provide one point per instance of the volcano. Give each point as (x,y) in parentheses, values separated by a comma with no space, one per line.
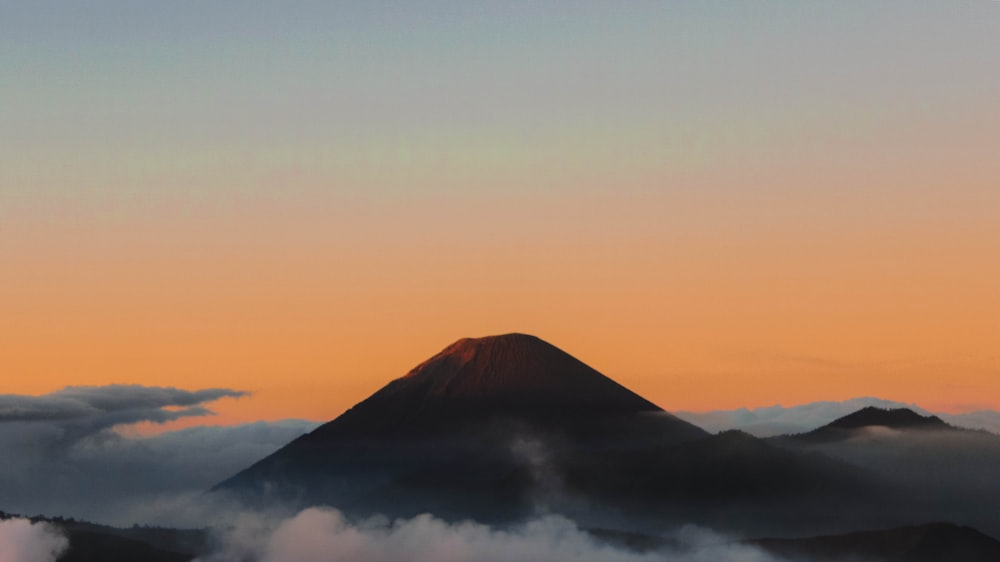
(459,428)
(513,376)
(489,427)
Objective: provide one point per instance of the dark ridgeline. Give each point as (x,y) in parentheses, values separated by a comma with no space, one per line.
(931,542)
(898,419)
(93,546)
(934,542)
(89,542)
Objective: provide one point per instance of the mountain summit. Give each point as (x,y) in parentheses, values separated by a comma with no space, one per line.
(898,419)
(520,371)
(895,418)
(509,375)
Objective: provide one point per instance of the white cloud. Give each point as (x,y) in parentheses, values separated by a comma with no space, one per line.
(62,454)
(981,419)
(98,407)
(324,535)
(24,541)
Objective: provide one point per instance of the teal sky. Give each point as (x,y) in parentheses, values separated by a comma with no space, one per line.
(213,84)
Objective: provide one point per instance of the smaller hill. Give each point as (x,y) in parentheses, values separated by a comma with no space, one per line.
(896,419)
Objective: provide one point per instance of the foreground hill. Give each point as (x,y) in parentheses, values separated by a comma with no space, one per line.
(89,542)
(934,542)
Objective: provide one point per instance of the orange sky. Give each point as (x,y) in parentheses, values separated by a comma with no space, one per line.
(715,206)
(696,299)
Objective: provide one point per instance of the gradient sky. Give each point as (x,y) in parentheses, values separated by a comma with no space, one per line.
(717,204)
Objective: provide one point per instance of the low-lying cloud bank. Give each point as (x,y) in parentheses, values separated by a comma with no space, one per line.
(24,541)
(324,535)
(84,410)
(63,455)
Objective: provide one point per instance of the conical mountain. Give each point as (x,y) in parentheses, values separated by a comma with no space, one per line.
(517,371)
(476,379)
(461,416)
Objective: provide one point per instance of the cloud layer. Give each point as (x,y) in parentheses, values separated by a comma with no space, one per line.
(87,409)
(324,535)
(63,455)
(949,475)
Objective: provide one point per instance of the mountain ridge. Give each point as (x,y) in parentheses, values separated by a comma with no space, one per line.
(466,407)
(931,542)
(870,417)
(510,374)
(894,418)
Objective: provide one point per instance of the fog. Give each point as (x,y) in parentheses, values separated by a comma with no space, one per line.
(24,541)
(948,475)
(325,535)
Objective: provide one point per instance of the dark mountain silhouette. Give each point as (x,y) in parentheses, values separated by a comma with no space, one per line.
(706,466)
(90,546)
(895,418)
(456,433)
(934,542)
(898,419)
(731,481)
(499,427)
(513,375)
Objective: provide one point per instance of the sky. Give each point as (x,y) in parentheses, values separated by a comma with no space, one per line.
(717,204)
